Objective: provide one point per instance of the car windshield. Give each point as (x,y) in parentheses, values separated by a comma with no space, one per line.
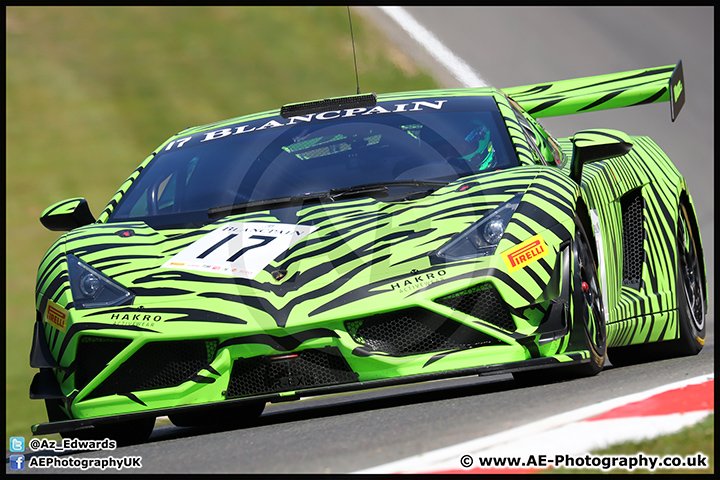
(405,144)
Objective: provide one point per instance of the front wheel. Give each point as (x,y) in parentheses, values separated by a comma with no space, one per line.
(127,432)
(236,416)
(589,309)
(589,329)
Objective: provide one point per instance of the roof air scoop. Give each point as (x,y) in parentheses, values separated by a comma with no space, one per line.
(328,104)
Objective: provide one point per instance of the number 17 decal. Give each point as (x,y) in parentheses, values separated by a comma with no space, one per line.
(239,249)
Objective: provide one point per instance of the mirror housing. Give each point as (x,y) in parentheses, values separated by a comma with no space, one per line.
(67,215)
(594,145)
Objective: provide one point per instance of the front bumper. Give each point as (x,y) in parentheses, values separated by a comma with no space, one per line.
(121,369)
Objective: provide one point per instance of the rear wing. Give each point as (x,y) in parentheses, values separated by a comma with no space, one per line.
(602,92)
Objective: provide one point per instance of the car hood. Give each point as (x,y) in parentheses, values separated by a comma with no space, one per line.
(334,253)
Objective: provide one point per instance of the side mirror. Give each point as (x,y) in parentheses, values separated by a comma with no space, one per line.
(594,145)
(67,215)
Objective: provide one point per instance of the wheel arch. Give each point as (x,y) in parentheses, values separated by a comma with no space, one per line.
(686,201)
(583,213)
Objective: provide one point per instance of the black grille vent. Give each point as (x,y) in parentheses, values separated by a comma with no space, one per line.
(159,365)
(413,331)
(633,234)
(93,355)
(483,302)
(305,369)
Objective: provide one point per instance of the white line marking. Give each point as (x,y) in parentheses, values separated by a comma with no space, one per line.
(456,65)
(477,446)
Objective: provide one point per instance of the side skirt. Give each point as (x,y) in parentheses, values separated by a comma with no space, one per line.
(657,327)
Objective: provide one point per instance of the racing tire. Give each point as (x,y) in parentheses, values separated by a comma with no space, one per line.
(126,432)
(235,416)
(690,301)
(689,290)
(592,309)
(591,332)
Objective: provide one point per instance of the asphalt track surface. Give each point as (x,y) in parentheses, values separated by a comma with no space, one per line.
(506,47)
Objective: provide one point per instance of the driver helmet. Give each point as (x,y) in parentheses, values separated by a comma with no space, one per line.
(482,154)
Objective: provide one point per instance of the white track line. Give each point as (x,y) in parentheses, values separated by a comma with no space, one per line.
(495,442)
(456,65)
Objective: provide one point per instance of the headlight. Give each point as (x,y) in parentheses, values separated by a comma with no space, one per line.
(92,289)
(482,237)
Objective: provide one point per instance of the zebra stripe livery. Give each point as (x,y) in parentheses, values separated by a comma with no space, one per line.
(646,312)
(367,291)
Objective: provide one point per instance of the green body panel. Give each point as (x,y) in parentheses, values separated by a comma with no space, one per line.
(367,260)
(647,310)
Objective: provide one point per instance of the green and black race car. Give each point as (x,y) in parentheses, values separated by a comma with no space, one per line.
(365,241)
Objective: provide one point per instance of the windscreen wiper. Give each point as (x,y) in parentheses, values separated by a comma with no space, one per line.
(395,183)
(256,205)
(369,189)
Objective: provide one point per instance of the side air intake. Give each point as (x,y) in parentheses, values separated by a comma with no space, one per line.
(633,205)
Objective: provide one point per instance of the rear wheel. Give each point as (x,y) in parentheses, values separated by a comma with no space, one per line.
(691,305)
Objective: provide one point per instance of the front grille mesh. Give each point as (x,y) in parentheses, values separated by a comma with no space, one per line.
(414,331)
(93,355)
(305,369)
(483,302)
(159,365)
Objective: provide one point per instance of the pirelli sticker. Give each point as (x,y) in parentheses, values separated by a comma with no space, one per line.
(520,256)
(56,316)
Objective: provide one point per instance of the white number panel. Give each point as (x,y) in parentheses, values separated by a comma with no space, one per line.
(239,249)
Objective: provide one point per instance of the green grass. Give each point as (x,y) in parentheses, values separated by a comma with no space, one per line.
(699,438)
(91,91)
